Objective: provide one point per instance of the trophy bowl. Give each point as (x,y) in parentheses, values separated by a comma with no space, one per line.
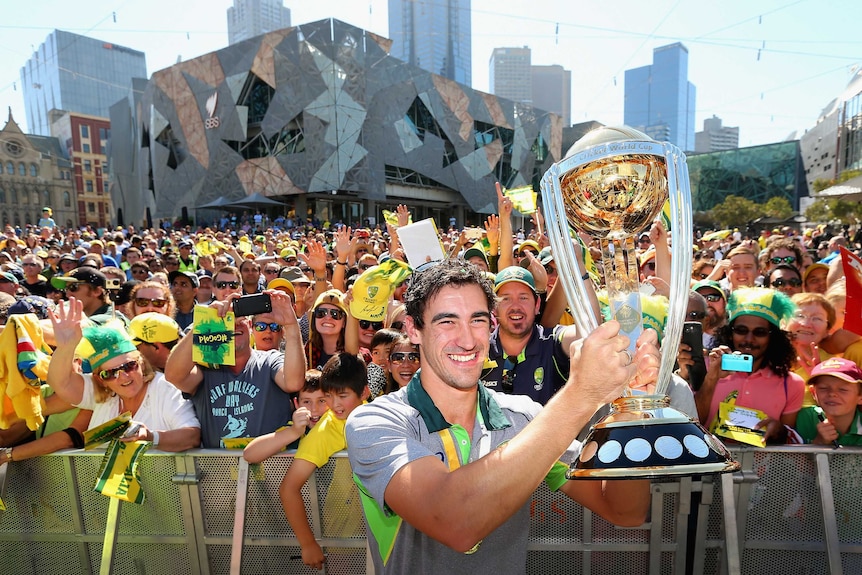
(612,185)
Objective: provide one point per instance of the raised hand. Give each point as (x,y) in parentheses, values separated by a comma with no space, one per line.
(67,323)
(504,204)
(403,214)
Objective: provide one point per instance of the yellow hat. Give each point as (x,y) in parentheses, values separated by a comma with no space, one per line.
(153,327)
(281,283)
(288,253)
(332,297)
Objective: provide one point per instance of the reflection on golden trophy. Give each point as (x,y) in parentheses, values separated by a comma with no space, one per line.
(612,185)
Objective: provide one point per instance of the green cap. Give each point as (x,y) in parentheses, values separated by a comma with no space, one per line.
(514,274)
(712,284)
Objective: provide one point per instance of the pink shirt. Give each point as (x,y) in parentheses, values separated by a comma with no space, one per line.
(763,390)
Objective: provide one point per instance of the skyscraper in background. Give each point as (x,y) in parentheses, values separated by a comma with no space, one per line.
(434,35)
(660,100)
(249,18)
(76,74)
(552,90)
(509,74)
(715,137)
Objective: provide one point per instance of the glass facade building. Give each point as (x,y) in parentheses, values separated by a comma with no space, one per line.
(249,18)
(659,99)
(435,36)
(76,74)
(756,173)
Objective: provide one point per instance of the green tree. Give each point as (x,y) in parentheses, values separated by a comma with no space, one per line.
(778,207)
(735,211)
(819,211)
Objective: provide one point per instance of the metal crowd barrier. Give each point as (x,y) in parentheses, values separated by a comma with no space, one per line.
(790,510)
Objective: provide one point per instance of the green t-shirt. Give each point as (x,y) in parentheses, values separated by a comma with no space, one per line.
(807,420)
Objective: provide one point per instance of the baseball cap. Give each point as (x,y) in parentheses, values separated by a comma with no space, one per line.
(281,283)
(528,244)
(545,256)
(32,304)
(514,274)
(68,258)
(84,275)
(811,268)
(192,277)
(712,284)
(123,295)
(475,252)
(6,276)
(288,253)
(837,367)
(202,273)
(292,274)
(185,244)
(153,327)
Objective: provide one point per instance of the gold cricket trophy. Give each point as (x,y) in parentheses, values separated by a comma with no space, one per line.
(612,184)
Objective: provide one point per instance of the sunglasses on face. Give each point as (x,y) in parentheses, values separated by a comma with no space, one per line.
(289,260)
(742,330)
(785,260)
(365,324)
(31,265)
(335,314)
(270,271)
(397,325)
(156,303)
(549,269)
(112,374)
(650,265)
(224,285)
(712,297)
(401,356)
(262,326)
(73,288)
(364,267)
(781,282)
(695,315)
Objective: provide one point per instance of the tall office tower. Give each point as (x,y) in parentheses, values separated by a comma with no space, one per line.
(659,99)
(509,74)
(434,35)
(715,137)
(249,18)
(552,90)
(77,74)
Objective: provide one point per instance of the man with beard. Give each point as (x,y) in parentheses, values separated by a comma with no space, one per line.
(716,314)
(754,329)
(525,358)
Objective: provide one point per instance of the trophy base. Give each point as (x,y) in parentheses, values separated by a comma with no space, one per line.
(644,438)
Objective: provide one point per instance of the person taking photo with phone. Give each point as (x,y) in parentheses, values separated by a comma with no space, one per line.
(768,385)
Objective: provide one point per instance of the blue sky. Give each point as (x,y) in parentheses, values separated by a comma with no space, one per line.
(766,66)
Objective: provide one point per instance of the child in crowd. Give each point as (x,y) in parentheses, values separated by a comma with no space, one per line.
(837,387)
(310,407)
(344,383)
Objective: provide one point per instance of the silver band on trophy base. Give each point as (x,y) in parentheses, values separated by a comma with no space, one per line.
(612,185)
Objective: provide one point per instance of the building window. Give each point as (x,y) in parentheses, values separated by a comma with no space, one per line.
(105,186)
(46,198)
(14,196)
(67,200)
(104,134)
(91,207)
(22,169)
(85,131)
(86,148)
(88,166)
(34,170)
(2,196)
(10,168)
(88,184)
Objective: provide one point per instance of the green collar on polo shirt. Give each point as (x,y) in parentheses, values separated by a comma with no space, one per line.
(490,412)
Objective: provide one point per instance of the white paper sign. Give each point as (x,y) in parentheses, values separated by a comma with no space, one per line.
(421,242)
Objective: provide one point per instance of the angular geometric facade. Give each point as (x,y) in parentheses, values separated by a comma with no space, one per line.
(322,107)
(757,173)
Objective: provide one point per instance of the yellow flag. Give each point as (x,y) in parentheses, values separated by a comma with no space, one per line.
(523,199)
(118,474)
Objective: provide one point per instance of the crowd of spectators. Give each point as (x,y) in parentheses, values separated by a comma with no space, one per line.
(115,311)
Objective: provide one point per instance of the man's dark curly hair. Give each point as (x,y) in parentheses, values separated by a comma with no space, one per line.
(780,353)
(428,282)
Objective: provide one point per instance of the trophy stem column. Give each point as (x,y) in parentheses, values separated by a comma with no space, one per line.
(620,262)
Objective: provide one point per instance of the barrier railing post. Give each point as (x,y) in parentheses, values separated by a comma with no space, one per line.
(112,528)
(239,517)
(827,507)
(656,526)
(731,533)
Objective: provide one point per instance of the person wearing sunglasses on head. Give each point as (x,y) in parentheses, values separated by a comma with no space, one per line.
(121,380)
(754,328)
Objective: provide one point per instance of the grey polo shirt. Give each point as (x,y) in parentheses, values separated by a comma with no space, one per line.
(404,426)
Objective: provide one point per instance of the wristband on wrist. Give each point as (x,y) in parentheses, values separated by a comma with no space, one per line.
(341,263)
(155,438)
(320,278)
(8,452)
(585,277)
(76,437)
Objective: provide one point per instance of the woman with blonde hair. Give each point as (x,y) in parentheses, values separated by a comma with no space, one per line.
(121,380)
